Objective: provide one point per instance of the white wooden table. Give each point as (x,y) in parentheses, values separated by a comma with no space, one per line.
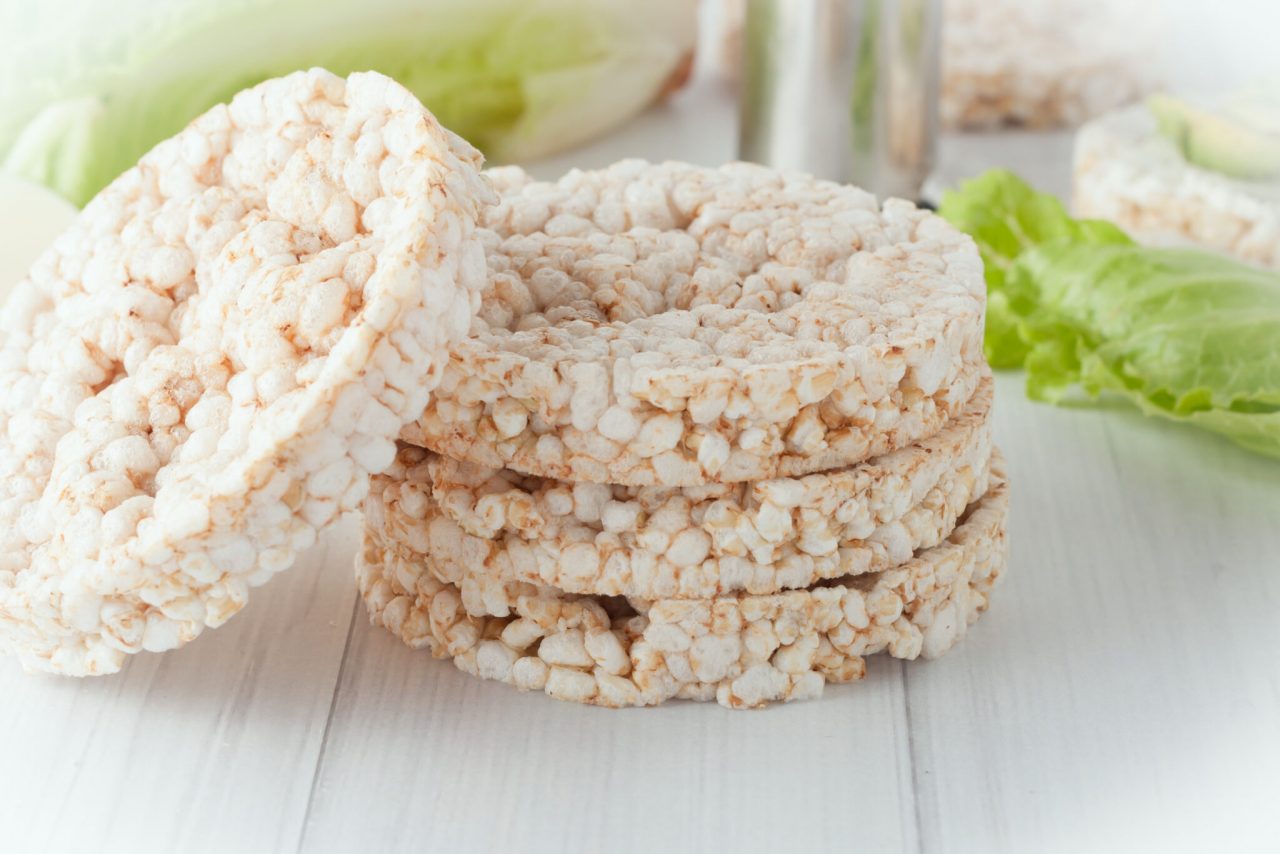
(1123,694)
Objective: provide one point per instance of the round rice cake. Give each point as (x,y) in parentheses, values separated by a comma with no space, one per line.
(1127,172)
(667,324)
(686,542)
(744,651)
(1044,64)
(205,368)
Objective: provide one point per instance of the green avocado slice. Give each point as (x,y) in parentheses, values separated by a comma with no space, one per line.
(1233,143)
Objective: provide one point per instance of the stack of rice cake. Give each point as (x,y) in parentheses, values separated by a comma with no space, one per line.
(716,433)
(671,431)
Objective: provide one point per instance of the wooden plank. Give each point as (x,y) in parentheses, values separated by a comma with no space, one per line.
(209,748)
(1124,691)
(422,757)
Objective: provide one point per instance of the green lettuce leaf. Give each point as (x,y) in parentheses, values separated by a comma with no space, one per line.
(518,78)
(1184,335)
(1006,217)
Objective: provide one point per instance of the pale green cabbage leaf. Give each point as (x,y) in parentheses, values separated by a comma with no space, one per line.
(87,87)
(1185,335)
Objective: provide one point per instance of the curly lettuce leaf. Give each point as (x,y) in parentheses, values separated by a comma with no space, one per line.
(1185,335)
(518,78)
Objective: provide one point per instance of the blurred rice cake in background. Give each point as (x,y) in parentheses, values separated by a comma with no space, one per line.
(1182,172)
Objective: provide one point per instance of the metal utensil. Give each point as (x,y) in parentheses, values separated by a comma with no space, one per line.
(844,89)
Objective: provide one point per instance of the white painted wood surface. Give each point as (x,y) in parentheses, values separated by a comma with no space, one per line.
(1123,694)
